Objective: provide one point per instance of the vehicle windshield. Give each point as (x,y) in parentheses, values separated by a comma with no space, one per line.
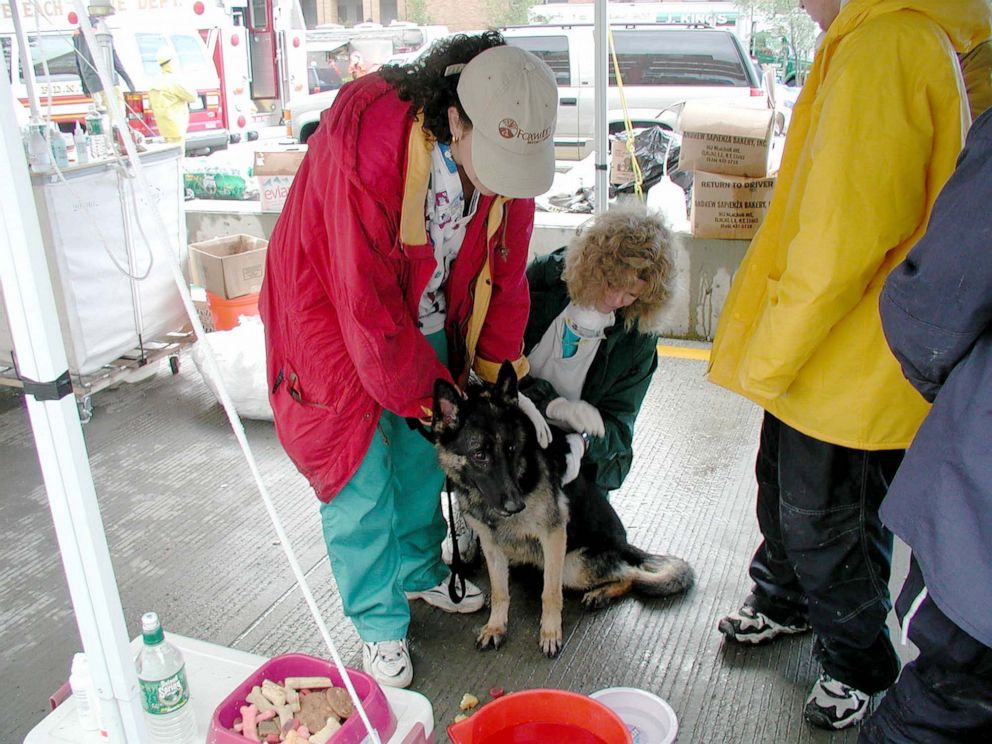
(190,57)
(678,57)
(57,51)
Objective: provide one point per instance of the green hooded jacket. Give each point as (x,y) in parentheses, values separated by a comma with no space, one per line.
(617,381)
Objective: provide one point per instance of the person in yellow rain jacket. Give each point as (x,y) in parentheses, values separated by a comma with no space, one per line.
(874,136)
(170,98)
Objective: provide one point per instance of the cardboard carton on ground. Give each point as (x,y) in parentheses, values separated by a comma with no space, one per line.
(275,170)
(731,140)
(729,207)
(231,266)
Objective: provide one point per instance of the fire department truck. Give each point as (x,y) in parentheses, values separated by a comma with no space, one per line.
(245,59)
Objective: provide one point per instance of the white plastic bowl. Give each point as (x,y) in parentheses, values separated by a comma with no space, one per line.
(650,719)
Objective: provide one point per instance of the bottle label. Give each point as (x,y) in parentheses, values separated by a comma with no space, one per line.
(164,696)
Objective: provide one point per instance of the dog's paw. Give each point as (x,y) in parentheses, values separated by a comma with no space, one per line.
(490,638)
(596,599)
(551,642)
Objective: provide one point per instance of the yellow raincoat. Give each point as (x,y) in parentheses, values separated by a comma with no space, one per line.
(875,133)
(170,98)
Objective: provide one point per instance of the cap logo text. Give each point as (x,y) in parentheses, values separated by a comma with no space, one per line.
(509,129)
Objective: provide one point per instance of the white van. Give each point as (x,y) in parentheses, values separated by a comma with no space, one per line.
(660,66)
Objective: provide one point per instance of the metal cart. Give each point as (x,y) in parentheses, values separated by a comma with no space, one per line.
(119,308)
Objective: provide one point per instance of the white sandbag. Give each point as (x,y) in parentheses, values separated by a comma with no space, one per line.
(240,355)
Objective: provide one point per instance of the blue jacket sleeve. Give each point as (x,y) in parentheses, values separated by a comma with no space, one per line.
(938,301)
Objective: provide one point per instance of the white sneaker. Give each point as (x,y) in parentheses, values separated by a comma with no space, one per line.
(468,542)
(388,662)
(438,596)
(833,705)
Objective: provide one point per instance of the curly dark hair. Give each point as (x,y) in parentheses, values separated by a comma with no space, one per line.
(425,85)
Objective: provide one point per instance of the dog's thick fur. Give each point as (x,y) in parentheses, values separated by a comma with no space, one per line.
(510,493)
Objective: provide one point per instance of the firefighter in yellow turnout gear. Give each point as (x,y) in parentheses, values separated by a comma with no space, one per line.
(170,98)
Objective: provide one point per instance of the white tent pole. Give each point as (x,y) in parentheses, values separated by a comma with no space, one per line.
(24,52)
(601,99)
(40,357)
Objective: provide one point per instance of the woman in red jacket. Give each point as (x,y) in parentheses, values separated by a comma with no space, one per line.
(399,259)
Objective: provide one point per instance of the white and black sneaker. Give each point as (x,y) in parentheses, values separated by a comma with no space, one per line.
(468,541)
(388,662)
(751,625)
(834,705)
(438,596)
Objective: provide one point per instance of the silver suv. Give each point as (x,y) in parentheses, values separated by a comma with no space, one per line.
(660,66)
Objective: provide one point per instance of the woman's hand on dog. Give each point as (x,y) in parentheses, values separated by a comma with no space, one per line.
(577,415)
(540,425)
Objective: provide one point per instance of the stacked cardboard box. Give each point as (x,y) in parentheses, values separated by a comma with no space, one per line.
(275,170)
(728,150)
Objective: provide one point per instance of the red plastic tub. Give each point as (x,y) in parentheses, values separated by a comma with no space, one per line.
(541,717)
(300,665)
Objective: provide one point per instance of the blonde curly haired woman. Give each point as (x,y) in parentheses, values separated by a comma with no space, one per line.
(592,334)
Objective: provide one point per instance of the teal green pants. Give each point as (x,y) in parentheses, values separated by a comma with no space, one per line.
(384,529)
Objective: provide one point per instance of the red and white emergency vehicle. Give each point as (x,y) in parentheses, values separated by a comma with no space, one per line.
(245,58)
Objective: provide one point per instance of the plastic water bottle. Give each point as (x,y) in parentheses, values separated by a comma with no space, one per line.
(164,690)
(84,693)
(60,153)
(82,145)
(96,132)
(39,154)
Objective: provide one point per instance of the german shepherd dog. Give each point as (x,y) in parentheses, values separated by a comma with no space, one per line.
(510,493)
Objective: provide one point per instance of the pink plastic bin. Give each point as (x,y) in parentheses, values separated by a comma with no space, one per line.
(301,665)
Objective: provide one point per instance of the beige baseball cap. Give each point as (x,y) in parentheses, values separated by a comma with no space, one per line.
(512,99)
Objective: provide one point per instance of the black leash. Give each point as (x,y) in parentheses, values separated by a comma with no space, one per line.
(456,581)
(457,565)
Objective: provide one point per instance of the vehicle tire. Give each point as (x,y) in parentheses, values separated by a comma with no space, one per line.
(306,132)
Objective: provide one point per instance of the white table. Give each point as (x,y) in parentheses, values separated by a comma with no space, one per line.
(213,671)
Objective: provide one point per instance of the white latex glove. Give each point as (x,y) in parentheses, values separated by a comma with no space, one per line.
(573,458)
(540,425)
(578,415)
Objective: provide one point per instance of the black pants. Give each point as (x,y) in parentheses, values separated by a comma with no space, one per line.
(825,552)
(945,695)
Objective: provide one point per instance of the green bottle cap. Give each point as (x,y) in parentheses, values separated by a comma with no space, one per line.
(151,629)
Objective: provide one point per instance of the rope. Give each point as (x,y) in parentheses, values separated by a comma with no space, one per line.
(628,125)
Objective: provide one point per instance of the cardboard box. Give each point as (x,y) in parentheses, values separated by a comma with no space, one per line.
(275,170)
(231,266)
(733,141)
(729,206)
(621,169)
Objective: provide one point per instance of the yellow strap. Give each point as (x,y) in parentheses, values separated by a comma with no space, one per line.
(628,125)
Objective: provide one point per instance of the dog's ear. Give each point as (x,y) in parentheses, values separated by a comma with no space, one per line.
(506,385)
(447,406)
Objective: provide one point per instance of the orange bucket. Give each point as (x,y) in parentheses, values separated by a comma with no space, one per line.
(541,717)
(226,312)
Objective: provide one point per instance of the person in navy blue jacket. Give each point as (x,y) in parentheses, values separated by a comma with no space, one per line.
(936,311)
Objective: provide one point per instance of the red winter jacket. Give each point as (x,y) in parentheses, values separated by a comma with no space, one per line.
(347,264)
